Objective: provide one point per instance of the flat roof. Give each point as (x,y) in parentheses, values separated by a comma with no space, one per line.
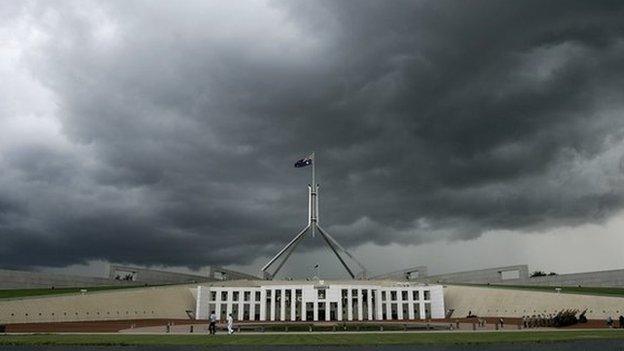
(259,283)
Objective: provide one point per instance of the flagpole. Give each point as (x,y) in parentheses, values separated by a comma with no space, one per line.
(312,226)
(313,203)
(313,172)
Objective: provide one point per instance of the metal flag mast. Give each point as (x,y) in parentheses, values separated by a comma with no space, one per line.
(312,227)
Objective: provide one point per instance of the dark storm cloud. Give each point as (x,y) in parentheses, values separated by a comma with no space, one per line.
(431,120)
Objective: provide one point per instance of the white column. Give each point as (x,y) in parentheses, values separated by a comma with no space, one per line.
(327,310)
(252,310)
(303,308)
(378,305)
(410,305)
(228,308)
(339,308)
(370,304)
(241,310)
(315,314)
(283,305)
(400,304)
(388,306)
(437,302)
(263,305)
(218,305)
(273,297)
(293,304)
(360,314)
(421,298)
(199,313)
(349,305)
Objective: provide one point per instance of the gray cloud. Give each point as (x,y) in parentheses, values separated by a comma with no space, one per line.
(178,125)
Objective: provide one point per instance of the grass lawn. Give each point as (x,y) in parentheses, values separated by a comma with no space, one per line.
(312,339)
(10,293)
(615,292)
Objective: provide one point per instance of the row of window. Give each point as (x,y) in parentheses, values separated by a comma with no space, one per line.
(321,295)
(405,294)
(246,295)
(88,313)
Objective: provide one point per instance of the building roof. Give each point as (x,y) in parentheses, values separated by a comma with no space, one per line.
(316,282)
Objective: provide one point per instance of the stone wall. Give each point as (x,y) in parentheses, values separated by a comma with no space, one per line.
(508,302)
(134,303)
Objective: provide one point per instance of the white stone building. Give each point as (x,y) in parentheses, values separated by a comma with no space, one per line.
(357,300)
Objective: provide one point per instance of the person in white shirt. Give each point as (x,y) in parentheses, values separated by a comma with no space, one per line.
(230,321)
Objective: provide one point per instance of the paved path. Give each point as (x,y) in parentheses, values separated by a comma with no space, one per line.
(203,328)
(602,345)
(161,332)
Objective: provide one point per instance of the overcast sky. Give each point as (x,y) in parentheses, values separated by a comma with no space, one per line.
(452,134)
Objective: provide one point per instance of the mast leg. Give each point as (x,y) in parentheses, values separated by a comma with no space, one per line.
(281,252)
(331,245)
(325,234)
(292,249)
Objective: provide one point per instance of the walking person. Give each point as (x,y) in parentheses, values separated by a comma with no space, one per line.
(230,321)
(212,327)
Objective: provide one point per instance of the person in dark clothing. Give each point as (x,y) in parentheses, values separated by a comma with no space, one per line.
(621,320)
(212,327)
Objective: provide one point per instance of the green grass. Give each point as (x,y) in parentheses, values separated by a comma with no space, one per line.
(615,292)
(313,339)
(5,294)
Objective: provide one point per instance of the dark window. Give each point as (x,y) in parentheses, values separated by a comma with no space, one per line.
(321,294)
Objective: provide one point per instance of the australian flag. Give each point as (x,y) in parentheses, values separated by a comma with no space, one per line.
(306,161)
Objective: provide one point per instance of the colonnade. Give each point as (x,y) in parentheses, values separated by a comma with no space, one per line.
(314,303)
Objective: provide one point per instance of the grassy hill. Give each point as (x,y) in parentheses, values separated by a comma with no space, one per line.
(15,293)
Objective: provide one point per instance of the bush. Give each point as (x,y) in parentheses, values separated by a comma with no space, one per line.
(565,318)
